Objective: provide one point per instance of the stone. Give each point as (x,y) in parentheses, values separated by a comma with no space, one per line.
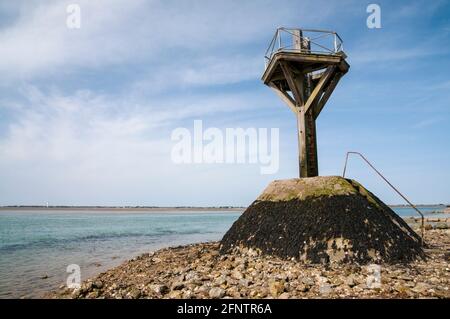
(175,294)
(308,281)
(135,294)
(221,281)
(276,288)
(177,285)
(328,219)
(303,288)
(237,275)
(287,279)
(350,281)
(76,293)
(284,295)
(421,287)
(97,284)
(160,289)
(216,293)
(441,226)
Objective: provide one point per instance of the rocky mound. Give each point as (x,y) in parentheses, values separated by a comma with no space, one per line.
(323,220)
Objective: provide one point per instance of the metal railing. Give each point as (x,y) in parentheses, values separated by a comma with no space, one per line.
(392,186)
(320,42)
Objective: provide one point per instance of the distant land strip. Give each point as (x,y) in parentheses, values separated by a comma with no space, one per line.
(124,208)
(159,208)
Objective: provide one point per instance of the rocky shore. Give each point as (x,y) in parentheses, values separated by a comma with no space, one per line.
(199,271)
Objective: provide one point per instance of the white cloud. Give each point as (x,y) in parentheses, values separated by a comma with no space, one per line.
(112,32)
(88,143)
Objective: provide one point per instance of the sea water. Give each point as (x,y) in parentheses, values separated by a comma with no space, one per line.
(37,246)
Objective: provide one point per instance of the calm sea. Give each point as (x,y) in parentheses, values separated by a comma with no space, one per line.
(37,246)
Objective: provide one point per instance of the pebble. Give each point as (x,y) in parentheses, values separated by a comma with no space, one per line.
(198,271)
(216,293)
(276,288)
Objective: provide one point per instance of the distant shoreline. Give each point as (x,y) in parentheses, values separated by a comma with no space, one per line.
(121,209)
(163,208)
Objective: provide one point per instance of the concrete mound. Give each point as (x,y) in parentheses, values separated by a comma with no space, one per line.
(323,220)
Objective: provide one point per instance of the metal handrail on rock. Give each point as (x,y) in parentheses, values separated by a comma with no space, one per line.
(392,186)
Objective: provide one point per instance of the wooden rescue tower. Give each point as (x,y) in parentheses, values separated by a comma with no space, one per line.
(303,67)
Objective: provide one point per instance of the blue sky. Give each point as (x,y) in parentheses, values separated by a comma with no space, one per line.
(86,114)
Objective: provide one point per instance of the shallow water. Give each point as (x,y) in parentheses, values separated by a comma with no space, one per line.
(428,211)
(35,245)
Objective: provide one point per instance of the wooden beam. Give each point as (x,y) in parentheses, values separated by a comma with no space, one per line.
(302,148)
(297,91)
(284,96)
(311,145)
(315,94)
(326,95)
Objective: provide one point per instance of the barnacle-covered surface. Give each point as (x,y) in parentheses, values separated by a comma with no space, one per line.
(324,219)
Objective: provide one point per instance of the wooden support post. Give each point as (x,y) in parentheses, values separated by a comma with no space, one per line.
(302,150)
(311,144)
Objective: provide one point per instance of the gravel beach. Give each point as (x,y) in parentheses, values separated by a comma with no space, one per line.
(199,271)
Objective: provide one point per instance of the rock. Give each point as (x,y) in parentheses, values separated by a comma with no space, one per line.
(191,275)
(160,289)
(237,275)
(308,281)
(252,253)
(284,295)
(421,287)
(276,288)
(97,284)
(188,295)
(350,281)
(93,295)
(233,292)
(177,286)
(221,281)
(276,277)
(76,293)
(135,294)
(328,219)
(175,294)
(303,287)
(434,281)
(216,293)
(428,226)
(244,282)
(441,226)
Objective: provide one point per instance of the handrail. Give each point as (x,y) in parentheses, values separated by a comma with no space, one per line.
(392,186)
(330,42)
